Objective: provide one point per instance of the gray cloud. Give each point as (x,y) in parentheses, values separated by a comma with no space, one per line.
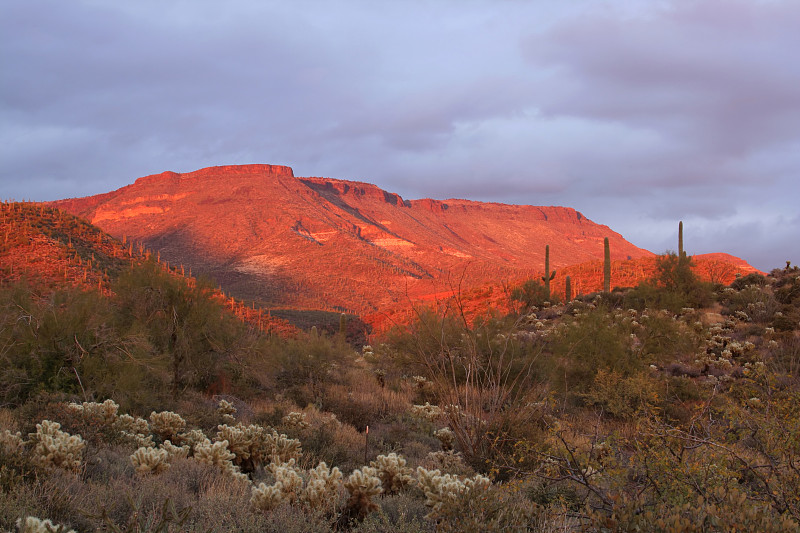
(636,113)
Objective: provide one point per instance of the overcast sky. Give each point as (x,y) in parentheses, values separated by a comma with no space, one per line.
(637,113)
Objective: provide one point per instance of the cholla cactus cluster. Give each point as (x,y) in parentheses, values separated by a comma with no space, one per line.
(286,489)
(363,485)
(166,424)
(295,419)
(447,461)
(11,443)
(322,488)
(175,451)
(445,492)
(103,413)
(321,491)
(253,445)
(393,472)
(192,438)
(135,430)
(150,460)
(32,524)
(226,410)
(55,448)
(217,454)
(446,438)
(428,413)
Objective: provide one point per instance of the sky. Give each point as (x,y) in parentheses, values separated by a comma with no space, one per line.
(636,113)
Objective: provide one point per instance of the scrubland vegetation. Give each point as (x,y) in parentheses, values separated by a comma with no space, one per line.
(671,406)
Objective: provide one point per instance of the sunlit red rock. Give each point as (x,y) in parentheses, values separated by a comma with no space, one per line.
(323,243)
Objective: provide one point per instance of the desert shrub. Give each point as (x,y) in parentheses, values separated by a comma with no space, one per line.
(48,341)
(531,294)
(399,513)
(622,397)
(674,286)
(587,343)
(754,278)
(483,371)
(304,366)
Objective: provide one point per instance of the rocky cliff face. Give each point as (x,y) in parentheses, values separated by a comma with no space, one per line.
(284,241)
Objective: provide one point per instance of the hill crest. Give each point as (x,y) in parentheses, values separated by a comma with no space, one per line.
(324,243)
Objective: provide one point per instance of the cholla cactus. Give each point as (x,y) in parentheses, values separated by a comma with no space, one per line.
(296,420)
(362,485)
(150,460)
(138,439)
(36,525)
(322,488)
(241,440)
(448,461)
(428,413)
(104,413)
(253,445)
(175,451)
(444,492)
(134,430)
(226,410)
(266,497)
(419,381)
(166,424)
(284,449)
(393,472)
(217,454)
(446,438)
(11,443)
(53,447)
(131,424)
(192,438)
(286,489)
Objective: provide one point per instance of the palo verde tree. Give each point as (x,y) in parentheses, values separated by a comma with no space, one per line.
(181,322)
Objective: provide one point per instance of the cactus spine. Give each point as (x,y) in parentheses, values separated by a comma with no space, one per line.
(568,289)
(606,266)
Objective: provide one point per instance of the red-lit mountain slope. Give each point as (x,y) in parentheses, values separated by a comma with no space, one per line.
(52,250)
(320,243)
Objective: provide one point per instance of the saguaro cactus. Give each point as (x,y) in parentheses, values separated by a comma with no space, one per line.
(548,276)
(606,266)
(568,289)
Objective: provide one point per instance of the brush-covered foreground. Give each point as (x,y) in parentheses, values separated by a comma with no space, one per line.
(673,406)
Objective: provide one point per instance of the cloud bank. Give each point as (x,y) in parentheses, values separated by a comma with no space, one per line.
(637,113)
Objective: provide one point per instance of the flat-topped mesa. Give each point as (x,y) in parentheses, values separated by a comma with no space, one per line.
(531,212)
(329,186)
(224,172)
